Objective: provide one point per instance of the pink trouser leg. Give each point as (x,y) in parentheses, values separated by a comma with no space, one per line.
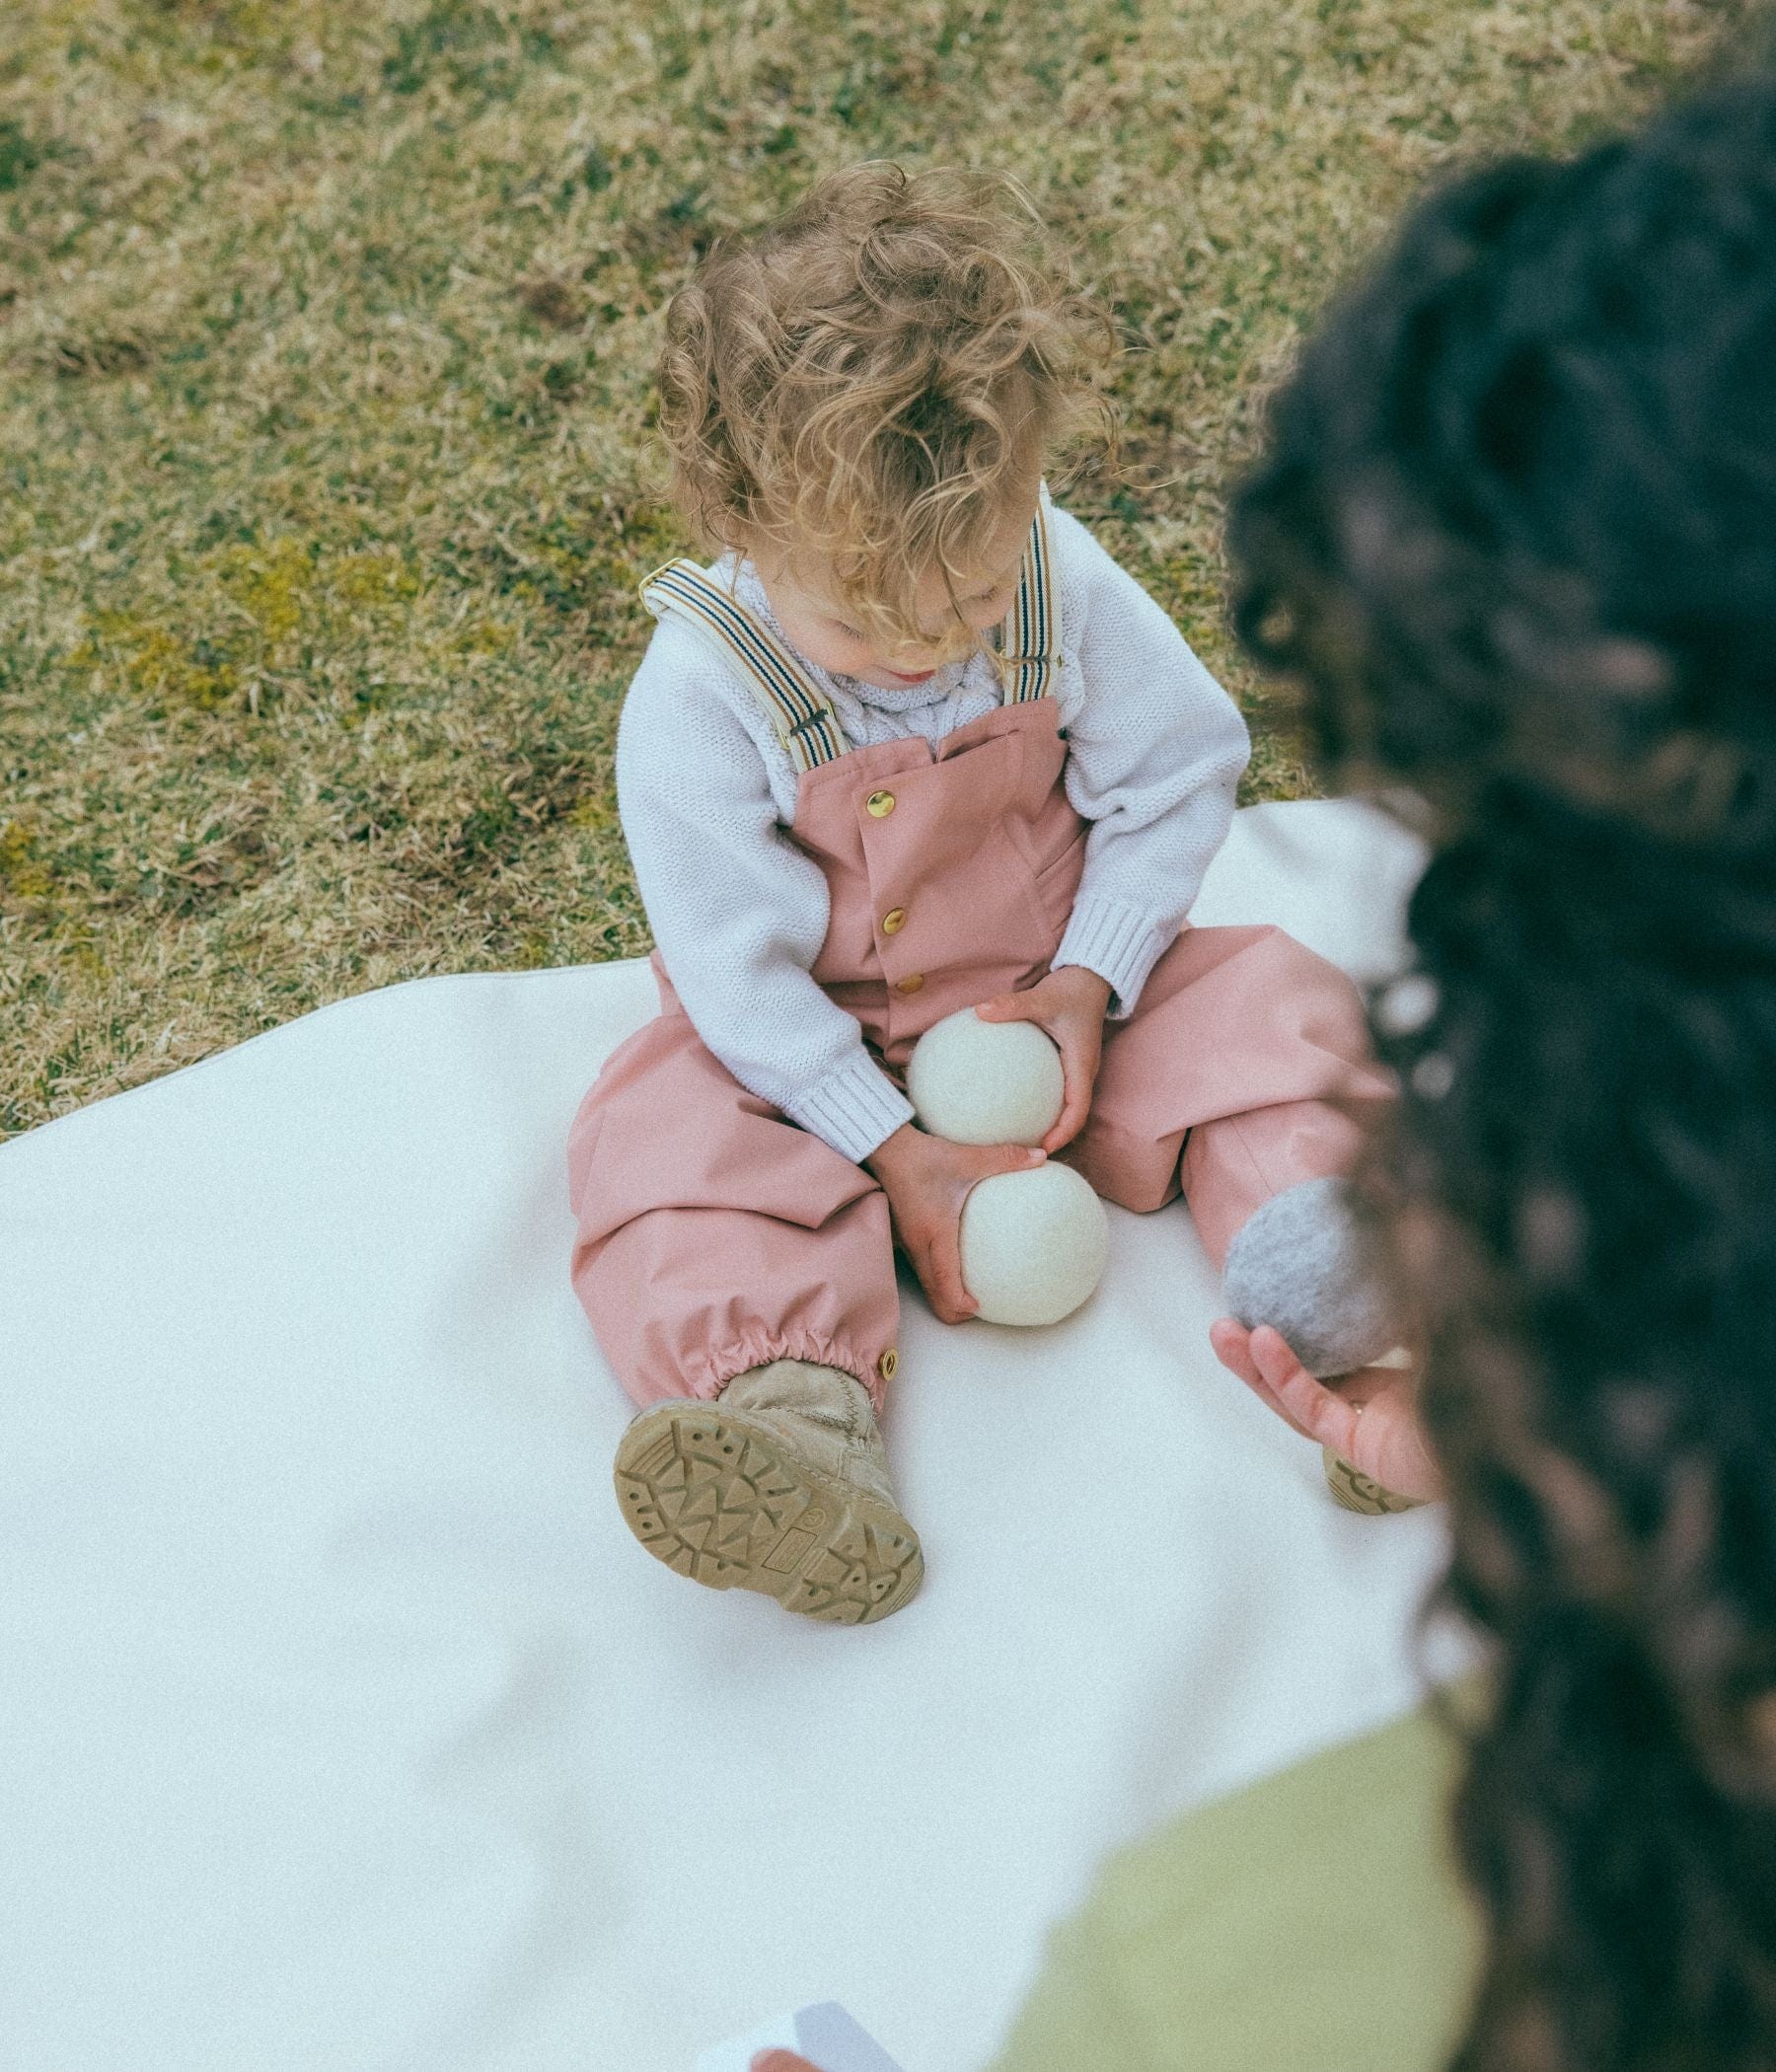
(715,1236)
(1245,1069)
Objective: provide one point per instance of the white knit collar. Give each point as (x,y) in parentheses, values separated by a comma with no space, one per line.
(751,592)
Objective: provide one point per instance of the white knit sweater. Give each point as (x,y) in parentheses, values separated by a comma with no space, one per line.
(706,793)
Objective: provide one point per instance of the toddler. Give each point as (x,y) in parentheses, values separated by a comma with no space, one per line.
(914,743)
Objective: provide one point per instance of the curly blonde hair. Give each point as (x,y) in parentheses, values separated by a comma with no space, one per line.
(872,376)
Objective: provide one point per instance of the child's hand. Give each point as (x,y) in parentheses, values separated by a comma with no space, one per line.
(926,1180)
(1371,1420)
(1071,1004)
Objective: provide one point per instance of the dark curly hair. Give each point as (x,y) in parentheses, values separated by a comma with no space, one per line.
(1515,540)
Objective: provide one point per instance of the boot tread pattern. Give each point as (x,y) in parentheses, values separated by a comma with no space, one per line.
(714,1498)
(1352,1490)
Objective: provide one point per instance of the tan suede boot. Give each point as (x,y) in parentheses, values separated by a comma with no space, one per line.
(781,1485)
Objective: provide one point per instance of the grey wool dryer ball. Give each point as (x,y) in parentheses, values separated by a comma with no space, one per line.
(1301,1264)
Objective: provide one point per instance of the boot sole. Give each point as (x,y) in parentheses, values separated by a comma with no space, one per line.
(1354,1491)
(713,1496)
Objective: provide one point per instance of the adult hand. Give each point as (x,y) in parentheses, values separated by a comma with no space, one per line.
(926,1180)
(781,2061)
(1069,1005)
(1371,1420)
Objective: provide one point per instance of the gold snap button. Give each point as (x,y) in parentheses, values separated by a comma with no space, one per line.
(894,920)
(880,803)
(889,1364)
(911,983)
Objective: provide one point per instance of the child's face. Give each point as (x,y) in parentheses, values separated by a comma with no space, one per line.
(801,595)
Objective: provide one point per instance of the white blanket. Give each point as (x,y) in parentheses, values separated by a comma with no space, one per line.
(343,1725)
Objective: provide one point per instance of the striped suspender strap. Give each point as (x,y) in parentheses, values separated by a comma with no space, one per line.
(1029,646)
(805,721)
(1030,637)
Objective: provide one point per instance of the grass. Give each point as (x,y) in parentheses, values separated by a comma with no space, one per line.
(326,470)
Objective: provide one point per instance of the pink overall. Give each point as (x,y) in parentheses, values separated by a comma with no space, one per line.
(717,1236)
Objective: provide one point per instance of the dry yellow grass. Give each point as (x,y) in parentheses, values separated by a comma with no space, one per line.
(324,466)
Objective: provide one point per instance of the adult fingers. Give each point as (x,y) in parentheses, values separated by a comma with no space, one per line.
(1395,1449)
(781,2061)
(1307,1402)
(1233,1344)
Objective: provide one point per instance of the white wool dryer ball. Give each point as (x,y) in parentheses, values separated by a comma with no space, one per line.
(1034,1245)
(978,1082)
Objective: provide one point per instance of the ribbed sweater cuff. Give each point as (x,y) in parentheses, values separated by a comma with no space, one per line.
(1120,944)
(854,1109)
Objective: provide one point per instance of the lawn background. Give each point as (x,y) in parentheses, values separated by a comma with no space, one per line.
(326,463)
